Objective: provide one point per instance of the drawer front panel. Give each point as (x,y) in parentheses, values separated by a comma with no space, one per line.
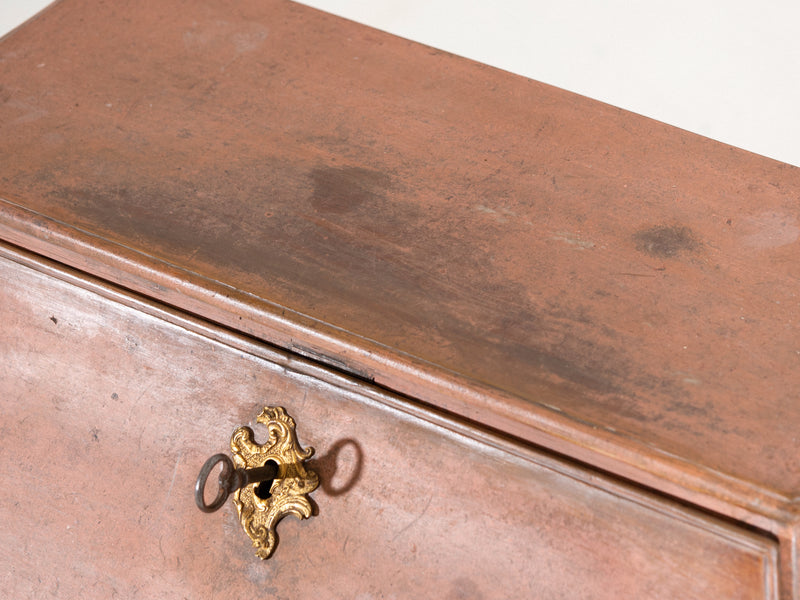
(110,408)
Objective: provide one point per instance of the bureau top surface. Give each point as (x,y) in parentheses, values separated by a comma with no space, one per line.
(583,268)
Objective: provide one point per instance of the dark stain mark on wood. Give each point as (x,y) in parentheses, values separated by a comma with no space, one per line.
(342,190)
(5,95)
(332,362)
(666,241)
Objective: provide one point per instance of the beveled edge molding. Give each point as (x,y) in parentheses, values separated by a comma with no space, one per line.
(531,421)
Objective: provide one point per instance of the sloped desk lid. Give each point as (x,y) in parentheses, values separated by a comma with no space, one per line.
(570,273)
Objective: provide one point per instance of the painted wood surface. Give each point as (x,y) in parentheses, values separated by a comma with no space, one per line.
(109,412)
(562,271)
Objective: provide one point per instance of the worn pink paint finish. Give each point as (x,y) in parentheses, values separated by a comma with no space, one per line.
(532,259)
(528,261)
(109,412)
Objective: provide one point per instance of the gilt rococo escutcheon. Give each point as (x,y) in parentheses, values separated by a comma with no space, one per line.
(268,481)
(288,493)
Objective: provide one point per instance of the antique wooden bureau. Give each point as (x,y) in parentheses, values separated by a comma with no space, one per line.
(543,347)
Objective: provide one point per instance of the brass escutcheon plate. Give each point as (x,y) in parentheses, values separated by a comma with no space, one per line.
(259,508)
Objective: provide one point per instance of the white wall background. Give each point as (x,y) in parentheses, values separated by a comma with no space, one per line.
(727,69)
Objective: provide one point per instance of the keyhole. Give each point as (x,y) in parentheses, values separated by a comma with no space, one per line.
(262,490)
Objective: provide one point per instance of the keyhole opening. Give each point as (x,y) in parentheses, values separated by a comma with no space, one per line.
(262,490)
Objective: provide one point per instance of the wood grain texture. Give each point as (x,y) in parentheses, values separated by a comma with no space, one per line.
(108,413)
(571,274)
